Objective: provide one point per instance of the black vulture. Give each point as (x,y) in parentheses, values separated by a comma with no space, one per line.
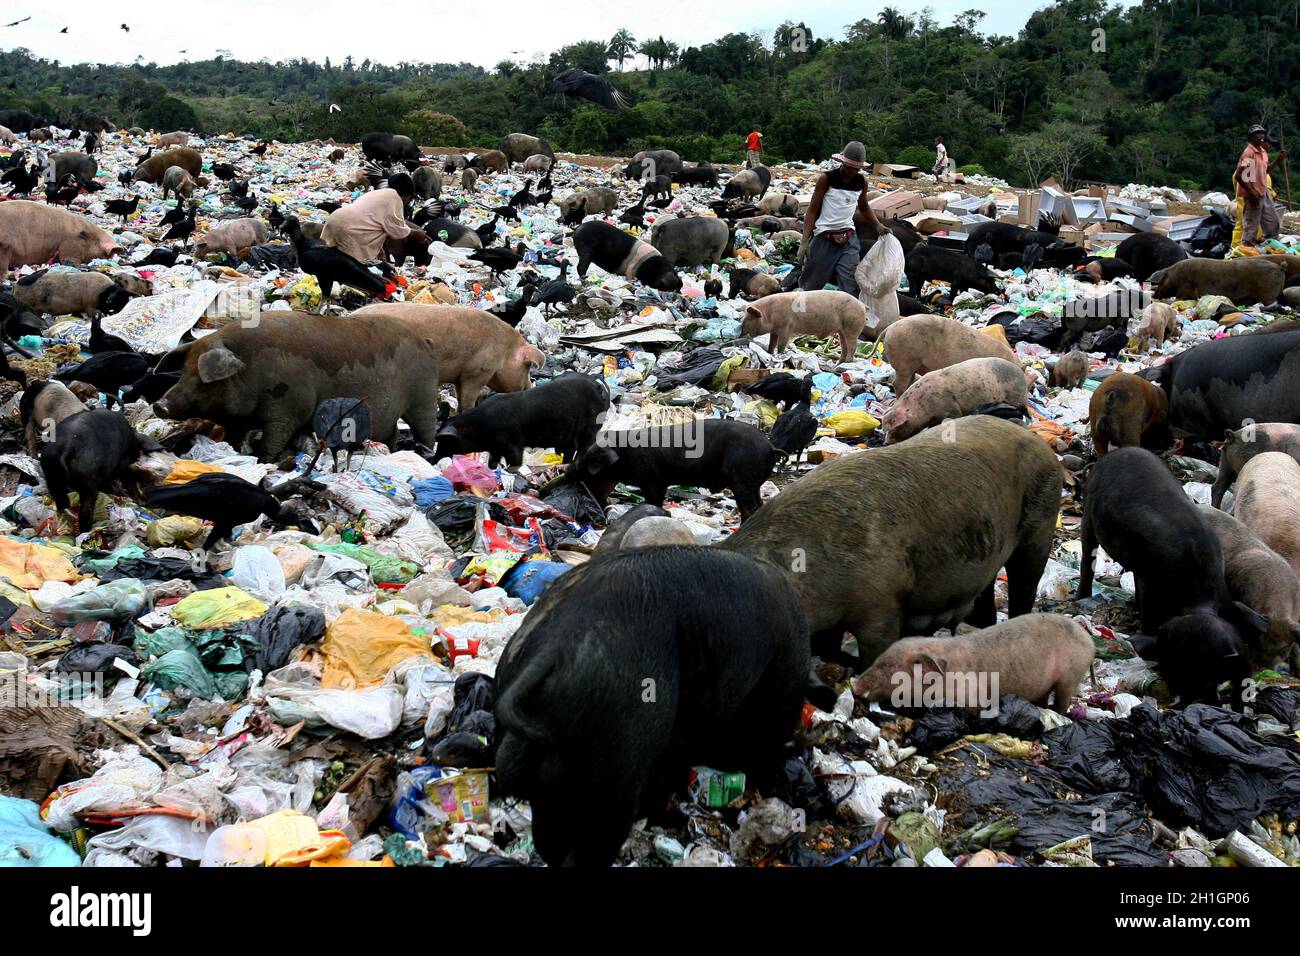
(588,86)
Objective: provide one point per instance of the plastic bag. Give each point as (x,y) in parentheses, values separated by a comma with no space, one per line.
(279,631)
(26,841)
(125,781)
(384,568)
(117,601)
(175,529)
(257,571)
(220,607)
(528,579)
(466,472)
(94,658)
(852,423)
(181,667)
(361,647)
(575,500)
(430,491)
(173,836)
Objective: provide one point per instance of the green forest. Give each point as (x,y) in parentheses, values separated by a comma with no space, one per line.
(1161,92)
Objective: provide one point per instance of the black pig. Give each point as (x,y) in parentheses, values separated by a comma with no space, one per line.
(710,453)
(1135,509)
(595,693)
(562,414)
(88,450)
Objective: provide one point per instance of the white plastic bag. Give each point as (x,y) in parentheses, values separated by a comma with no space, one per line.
(257,570)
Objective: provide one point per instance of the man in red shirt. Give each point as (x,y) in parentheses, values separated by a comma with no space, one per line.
(754,147)
(1251,177)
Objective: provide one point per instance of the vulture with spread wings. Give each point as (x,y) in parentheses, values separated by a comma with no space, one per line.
(589,86)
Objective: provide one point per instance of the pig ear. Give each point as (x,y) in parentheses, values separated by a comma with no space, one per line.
(598,457)
(1229,436)
(1250,618)
(218,364)
(448,431)
(754,311)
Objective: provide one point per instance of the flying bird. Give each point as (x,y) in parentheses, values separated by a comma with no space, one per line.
(588,86)
(335,108)
(64,30)
(125,28)
(16,22)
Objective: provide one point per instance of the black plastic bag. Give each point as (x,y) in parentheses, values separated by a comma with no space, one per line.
(461,749)
(1206,767)
(456,515)
(279,631)
(93,658)
(472,692)
(164,569)
(696,366)
(1109,341)
(574,499)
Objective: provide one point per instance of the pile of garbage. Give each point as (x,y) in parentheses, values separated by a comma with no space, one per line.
(318,691)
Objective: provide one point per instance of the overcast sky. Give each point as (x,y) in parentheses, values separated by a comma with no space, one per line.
(478,31)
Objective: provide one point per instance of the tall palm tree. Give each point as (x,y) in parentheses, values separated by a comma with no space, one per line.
(621,46)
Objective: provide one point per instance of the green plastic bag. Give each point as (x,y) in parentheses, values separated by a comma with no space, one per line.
(181,668)
(147,645)
(384,568)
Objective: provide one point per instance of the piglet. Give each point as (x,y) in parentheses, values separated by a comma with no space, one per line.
(1159,322)
(1071,371)
(1029,656)
(88,449)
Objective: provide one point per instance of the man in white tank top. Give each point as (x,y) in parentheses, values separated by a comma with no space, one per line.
(830,251)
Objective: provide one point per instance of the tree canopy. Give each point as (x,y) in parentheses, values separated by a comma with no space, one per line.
(1161,91)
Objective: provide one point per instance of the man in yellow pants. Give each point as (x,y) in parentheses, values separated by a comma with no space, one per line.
(1256,215)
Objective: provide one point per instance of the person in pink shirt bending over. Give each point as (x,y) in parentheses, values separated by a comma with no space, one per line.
(1251,178)
(360,228)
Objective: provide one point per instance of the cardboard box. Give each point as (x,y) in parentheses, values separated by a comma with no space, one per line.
(897,170)
(745,376)
(1072,234)
(1027,206)
(929,222)
(1011,218)
(899,204)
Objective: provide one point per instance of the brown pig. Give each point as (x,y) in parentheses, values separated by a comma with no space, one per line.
(1242,445)
(492,159)
(475,349)
(1128,410)
(1071,371)
(271,375)
(231,237)
(65,293)
(1268,503)
(822,313)
(176,138)
(917,344)
(1242,280)
(1159,322)
(177,182)
(35,233)
(870,551)
(155,167)
(1260,578)
(953,392)
(1030,656)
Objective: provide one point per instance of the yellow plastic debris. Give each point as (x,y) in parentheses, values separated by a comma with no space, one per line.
(29,565)
(218,607)
(852,423)
(174,529)
(361,647)
(186,470)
